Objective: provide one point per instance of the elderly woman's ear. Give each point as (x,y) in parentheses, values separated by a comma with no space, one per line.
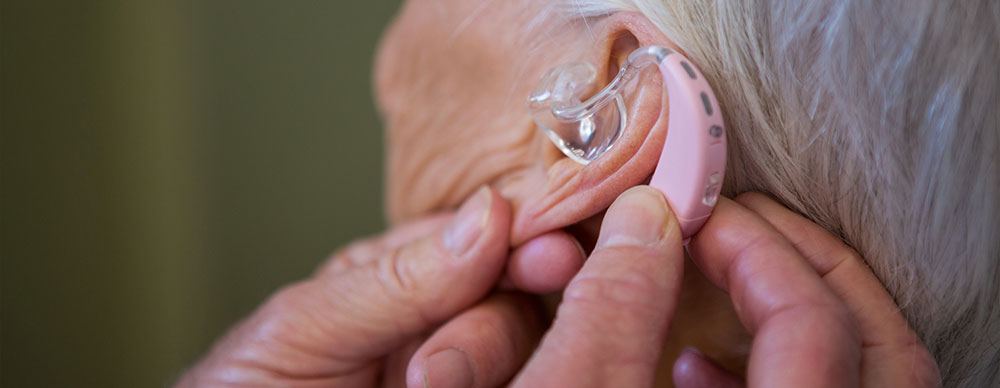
(563,192)
(478,129)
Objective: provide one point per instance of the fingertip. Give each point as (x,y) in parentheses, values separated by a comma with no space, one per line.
(500,209)
(479,265)
(481,225)
(618,308)
(482,347)
(490,251)
(693,369)
(475,242)
(684,371)
(448,368)
(545,264)
(639,217)
(497,229)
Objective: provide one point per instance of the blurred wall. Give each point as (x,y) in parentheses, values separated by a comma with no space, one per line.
(168,164)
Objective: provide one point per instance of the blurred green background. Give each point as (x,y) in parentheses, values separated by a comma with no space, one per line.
(168,164)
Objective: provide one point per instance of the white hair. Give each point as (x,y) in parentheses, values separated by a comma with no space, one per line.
(878,120)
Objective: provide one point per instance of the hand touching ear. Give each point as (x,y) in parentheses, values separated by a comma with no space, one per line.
(357,322)
(611,324)
(365,314)
(819,317)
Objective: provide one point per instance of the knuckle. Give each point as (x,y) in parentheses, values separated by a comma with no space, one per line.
(842,257)
(364,248)
(850,256)
(356,253)
(396,276)
(339,262)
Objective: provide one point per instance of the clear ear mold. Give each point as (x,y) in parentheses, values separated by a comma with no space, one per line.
(580,134)
(692,164)
(584,129)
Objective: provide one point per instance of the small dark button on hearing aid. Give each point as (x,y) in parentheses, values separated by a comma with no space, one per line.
(715,131)
(708,105)
(688,69)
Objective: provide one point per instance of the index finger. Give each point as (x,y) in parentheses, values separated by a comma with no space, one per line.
(803,334)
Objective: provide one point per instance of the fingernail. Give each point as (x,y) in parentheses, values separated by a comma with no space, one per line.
(449,368)
(637,218)
(693,350)
(463,231)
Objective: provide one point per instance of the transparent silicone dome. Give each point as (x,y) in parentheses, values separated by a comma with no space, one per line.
(585,128)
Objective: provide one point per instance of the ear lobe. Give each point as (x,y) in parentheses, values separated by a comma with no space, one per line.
(565,192)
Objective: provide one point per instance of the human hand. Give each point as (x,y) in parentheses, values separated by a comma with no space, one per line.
(819,316)
(360,318)
(611,324)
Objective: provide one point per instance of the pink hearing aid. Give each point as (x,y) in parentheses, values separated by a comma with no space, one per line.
(693,161)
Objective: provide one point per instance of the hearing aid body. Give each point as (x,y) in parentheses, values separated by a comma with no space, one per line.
(693,161)
(692,164)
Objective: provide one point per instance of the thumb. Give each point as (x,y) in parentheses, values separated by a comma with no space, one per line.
(337,323)
(613,318)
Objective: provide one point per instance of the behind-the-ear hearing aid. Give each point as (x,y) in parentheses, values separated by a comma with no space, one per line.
(693,161)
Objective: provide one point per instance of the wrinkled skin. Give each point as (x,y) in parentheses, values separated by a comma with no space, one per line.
(452,81)
(444,299)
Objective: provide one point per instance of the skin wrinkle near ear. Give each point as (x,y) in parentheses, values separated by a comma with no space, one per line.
(503,157)
(452,136)
(439,170)
(484,95)
(457,119)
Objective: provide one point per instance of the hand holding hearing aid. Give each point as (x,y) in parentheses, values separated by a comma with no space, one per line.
(819,316)
(414,307)
(418,305)
(404,309)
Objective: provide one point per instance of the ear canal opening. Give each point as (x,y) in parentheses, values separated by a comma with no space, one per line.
(623,46)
